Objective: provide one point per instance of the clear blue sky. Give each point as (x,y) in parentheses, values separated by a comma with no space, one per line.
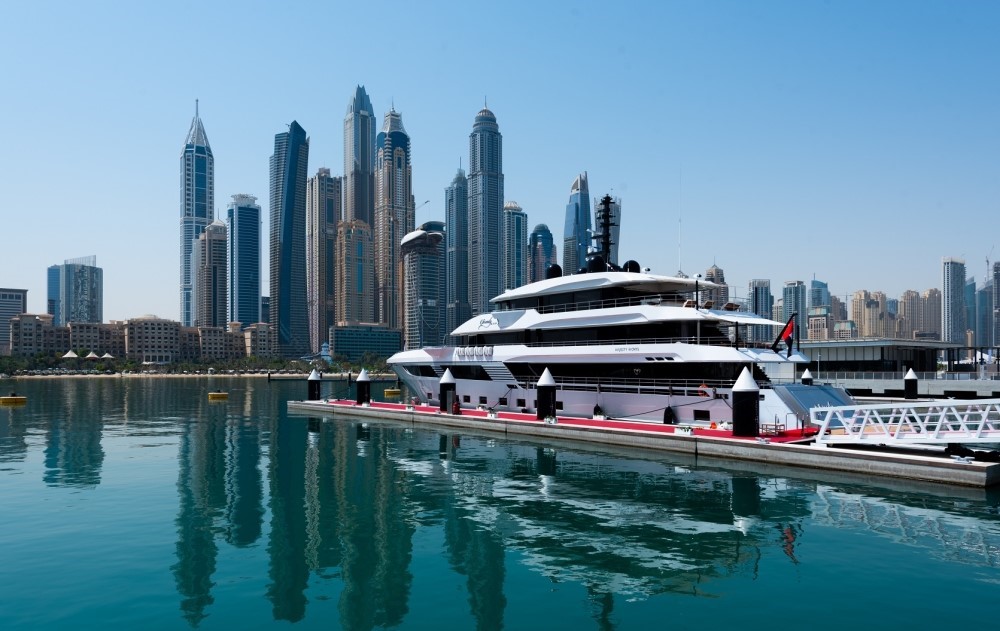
(857,141)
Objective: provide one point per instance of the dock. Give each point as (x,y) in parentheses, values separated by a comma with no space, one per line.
(789,448)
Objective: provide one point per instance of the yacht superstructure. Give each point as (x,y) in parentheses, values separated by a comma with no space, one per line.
(621,344)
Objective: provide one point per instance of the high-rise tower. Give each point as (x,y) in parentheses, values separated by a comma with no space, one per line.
(423,257)
(541,252)
(243,256)
(322,216)
(289,318)
(78,290)
(953,300)
(720,295)
(197,205)
(576,233)
(485,209)
(394,216)
(355,276)
(515,242)
(456,208)
(211,281)
(761,303)
(359,159)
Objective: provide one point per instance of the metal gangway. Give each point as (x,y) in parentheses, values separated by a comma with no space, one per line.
(910,423)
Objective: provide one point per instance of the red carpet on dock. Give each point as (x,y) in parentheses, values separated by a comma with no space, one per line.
(784,436)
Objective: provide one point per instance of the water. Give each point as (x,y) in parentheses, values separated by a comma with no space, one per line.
(137,503)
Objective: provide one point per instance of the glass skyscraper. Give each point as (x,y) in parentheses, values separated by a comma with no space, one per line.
(197,206)
(243,256)
(394,217)
(78,290)
(541,252)
(289,317)
(793,297)
(359,159)
(819,293)
(515,243)
(761,303)
(456,208)
(485,209)
(953,300)
(576,233)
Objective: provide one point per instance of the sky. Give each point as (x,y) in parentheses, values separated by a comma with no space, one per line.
(855,142)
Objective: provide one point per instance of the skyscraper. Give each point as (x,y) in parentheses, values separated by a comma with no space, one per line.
(456,208)
(323,213)
(911,312)
(211,281)
(289,318)
(394,216)
(541,252)
(13,302)
(78,290)
(355,274)
(761,303)
(423,257)
(197,206)
(971,313)
(719,296)
(515,241)
(359,159)
(485,209)
(79,287)
(243,256)
(953,300)
(932,314)
(819,293)
(576,233)
(996,303)
(794,301)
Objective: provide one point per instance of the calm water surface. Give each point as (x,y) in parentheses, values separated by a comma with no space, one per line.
(137,503)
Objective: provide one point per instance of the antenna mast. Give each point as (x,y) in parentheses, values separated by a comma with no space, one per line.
(605,222)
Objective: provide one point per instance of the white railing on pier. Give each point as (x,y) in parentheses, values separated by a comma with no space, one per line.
(916,423)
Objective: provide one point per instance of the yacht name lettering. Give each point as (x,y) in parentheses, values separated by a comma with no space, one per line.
(626,349)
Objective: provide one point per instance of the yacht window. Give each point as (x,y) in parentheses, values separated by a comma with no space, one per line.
(520,403)
(482,400)
(559,405)
(702,415)
(465,398)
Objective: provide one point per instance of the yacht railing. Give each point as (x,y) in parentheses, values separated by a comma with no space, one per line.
(677,387)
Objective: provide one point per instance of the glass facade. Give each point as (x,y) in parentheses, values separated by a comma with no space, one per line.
(576,234)
(289,317)
(197,187)
(515,243)
(243,260)
(456,208)
(485,209)
(541,252)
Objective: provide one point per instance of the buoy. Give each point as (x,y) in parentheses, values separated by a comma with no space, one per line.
(218,396)
(13,399)
(713,426)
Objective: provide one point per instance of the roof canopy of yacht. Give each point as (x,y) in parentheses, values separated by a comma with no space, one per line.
(643,283)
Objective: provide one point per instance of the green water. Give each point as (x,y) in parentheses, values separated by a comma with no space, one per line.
(136,503)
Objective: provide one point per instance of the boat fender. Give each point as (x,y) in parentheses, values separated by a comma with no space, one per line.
(669,418)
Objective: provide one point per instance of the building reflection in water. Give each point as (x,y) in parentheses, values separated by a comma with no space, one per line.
(346,498)
(73,452)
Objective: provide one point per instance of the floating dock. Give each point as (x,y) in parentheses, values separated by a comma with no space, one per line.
(777,447)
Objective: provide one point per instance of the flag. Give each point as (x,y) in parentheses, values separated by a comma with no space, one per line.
(787,336)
